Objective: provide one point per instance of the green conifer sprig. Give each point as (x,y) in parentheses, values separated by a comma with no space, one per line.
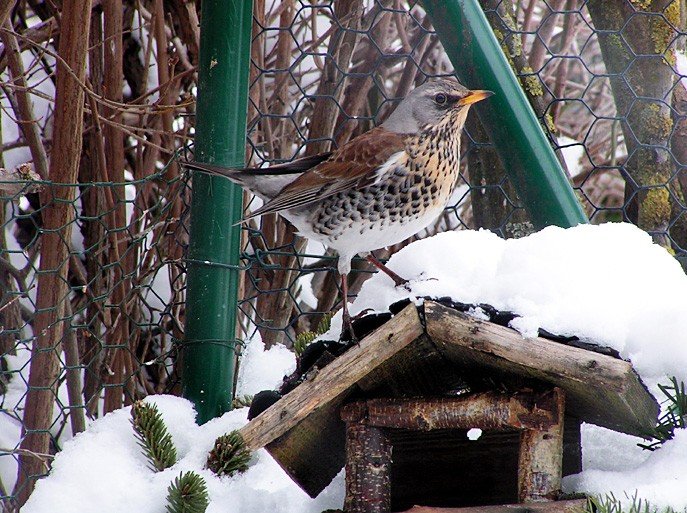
(302,341)
(674,416)
(187,494)
(152,435)
(304,338)
(241,401)
(229,455)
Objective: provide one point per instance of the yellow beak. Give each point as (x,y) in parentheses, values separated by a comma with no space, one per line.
(475,96)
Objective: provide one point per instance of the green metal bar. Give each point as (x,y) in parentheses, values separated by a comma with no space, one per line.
(211,296)
(508,117)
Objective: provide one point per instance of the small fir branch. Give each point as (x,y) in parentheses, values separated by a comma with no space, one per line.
(152,435)
(187,494)
(674,416)
(325,324)
(242,401)
(229,455)
(304,339)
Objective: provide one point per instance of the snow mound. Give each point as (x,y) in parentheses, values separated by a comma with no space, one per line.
(104,470)
(606,284)
(659,479)
(263,370)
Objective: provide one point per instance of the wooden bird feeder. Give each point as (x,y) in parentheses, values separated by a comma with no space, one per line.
(388,411)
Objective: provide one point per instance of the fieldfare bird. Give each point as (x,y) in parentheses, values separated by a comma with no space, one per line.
(376,190)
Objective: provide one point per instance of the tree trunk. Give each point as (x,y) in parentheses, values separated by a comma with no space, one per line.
(58,218)
(636,48)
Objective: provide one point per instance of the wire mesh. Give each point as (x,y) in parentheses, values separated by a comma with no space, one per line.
(607,80)
(616,127)
(120,316)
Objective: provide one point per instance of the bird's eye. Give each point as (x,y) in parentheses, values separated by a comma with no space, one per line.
(440,99)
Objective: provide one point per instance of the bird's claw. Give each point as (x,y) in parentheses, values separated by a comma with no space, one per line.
(348,327)
(401,283)
(362,314)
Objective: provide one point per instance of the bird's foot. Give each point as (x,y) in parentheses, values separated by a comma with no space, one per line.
(400,282)
(347,328)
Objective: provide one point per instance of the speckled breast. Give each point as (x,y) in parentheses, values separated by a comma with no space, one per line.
(404,201)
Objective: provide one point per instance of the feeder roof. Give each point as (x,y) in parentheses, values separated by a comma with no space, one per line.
(429,352)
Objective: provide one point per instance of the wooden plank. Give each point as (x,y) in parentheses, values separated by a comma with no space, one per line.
(458,472)
(569,506)
(416,370)
(313,453)
(572,445)
(600,389)
(335,380)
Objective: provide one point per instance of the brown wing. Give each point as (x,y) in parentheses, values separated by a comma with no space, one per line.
(352,166)
(286,168)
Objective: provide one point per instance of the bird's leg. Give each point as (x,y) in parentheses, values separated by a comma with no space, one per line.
(379,265)
(347,324)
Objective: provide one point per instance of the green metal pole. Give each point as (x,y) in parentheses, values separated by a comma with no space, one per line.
(508,117)
(211,296)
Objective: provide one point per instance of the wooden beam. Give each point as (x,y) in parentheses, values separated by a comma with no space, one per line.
(487,410)
(599,389)
(570,506)
(335,380)
(299,451)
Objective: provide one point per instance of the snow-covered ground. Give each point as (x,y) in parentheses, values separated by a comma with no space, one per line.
(104,470)
(607,284)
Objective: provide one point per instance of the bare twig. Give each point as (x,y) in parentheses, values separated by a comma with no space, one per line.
(25,115)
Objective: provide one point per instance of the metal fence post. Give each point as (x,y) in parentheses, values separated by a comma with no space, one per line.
(511,123)
(211,297)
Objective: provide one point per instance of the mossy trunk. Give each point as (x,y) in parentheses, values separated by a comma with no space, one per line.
(678,230)
(500,17)
(635,39)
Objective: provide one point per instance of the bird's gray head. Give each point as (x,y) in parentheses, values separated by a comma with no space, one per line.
(430,103)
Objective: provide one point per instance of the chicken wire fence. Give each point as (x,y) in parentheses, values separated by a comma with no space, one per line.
(120,317)
(606,79)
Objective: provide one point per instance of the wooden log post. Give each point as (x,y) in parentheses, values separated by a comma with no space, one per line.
(540,463)
(368,450)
